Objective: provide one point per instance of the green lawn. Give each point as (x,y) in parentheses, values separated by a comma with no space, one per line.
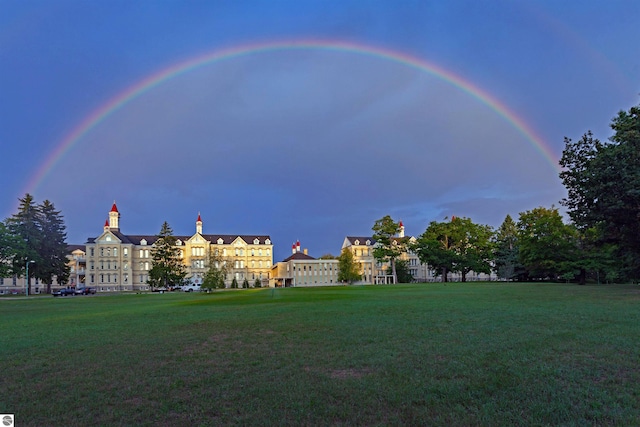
(434,354)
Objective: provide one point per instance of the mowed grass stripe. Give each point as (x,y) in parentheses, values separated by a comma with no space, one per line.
(435,354)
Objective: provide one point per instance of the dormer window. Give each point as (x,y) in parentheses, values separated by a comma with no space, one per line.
(357,242)
(368,242)
(256,241)
(220,241)
(178,242)
(143,242)
(267,242)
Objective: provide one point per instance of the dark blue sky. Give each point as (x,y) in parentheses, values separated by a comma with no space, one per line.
(309,145)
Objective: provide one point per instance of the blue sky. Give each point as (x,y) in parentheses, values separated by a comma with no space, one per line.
(304,144)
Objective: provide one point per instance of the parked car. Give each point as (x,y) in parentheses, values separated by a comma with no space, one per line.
(64,292)
(191,288)
(84,290)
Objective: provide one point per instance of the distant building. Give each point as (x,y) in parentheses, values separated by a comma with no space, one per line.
(301,269)
(77,265)
(121,262)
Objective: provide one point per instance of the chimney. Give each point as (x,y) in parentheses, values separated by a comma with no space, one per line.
(293,248)
(298,246)
(306,251)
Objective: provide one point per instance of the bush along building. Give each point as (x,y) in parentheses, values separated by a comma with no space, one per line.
(118,262)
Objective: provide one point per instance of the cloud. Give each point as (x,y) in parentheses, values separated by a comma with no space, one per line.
(301,144)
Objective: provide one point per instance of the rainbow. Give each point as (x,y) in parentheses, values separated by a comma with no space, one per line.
(156,79)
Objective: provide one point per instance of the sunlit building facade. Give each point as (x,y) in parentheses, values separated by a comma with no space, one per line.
(121,262)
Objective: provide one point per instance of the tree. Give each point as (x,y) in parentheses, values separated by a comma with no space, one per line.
(457,245)
(475,247)
(403,271)
(167,268)
(53,246)
(388,245)
(348,269)
(507,264)
(25,227)
(245,283)
(216,272)
(603,189)
(548,246)
(257,283)
(9,250)
(436,248)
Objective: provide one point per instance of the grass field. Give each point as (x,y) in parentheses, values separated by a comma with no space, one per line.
(435,354)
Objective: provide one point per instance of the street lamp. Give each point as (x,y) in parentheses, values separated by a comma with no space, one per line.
(28,262)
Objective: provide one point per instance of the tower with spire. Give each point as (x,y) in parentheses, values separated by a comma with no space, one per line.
(114,218)
(199,224)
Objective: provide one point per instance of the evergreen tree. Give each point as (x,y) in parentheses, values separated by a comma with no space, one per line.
(25,227)
(167,268)
(403,271)
(53,249)
(245,283)
(507,264)
(257,283)
(234,283)
(348,269)
(10,248)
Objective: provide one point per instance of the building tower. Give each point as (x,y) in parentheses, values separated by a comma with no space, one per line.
(199,224)
(114,218)
(401,232)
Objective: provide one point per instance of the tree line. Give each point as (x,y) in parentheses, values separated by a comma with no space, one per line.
(601,242)
(34,239)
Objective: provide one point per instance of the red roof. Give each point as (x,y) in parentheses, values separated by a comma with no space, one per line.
(114,208)
(400,224)
(199,219)
(106,222)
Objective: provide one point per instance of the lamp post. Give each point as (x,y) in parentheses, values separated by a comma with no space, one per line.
(28,262)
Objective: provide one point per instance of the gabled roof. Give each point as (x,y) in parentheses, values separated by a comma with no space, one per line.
(362,240)
(72,248)
(227,239)
(299,256)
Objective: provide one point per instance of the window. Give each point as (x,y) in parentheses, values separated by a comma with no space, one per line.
(146,265)
(259,252)
(115,251)
(125,278)
(125,266)
(92,252)
(125,251)
(253,252)
(197,251)
(101,251)
(268,252)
